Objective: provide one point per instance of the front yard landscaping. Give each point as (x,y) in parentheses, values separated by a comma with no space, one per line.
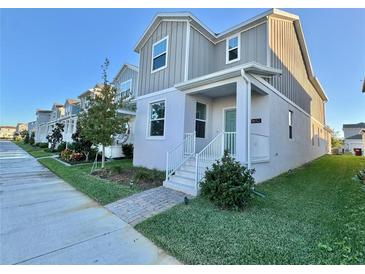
(119,179)
(312,215)
(35,151)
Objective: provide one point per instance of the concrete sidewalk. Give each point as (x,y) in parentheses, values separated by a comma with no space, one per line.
(46,221)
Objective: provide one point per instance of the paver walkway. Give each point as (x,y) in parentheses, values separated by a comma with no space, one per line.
(138,207)
(46,221)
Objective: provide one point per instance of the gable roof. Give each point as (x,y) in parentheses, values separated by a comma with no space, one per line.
(358,125)
(70,101)
(356,136)
(125,66)
(217,37)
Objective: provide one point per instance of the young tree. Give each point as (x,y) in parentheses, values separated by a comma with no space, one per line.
(81,144)
(336,140)
(56,136)
(100,122)
(32,138)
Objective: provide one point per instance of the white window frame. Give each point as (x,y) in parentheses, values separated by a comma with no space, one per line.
(290,124)
(202,120)
(148,133)
(238,48)
(167,54)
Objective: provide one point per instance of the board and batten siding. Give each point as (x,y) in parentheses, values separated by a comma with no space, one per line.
(174,72)
(287,56)
(201,55)
(128,74)
(206,57)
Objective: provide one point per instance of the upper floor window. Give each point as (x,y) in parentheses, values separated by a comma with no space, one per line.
(290,124)
(201,116)
(233,49)
(157,119)
(159,54)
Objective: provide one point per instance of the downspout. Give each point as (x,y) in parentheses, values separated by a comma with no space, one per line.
(248,82)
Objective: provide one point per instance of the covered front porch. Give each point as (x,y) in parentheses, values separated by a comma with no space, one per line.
(226,112)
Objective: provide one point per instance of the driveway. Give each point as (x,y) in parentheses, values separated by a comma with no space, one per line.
(46,221)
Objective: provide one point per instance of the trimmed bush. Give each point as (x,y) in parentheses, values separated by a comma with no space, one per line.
(61,147)
(128,150)
(228,184)
(32,138)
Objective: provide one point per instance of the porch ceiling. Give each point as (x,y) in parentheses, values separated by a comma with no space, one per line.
(220,91)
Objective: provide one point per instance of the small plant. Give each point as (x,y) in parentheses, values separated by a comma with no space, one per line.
(361,176)
(66,154)
(228,184)
(149,175)
(128,150)
(117,169)
(56,136)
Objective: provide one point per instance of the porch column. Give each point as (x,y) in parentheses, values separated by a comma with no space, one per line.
(243,91)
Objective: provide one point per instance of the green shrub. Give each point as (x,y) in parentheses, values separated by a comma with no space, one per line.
(148,174)
(228,184)
(26,138)
(32,138)
(61,147)
(42,145)
(128,150)
(117,169)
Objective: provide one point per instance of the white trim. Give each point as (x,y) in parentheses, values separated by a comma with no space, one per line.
(156,93)
(148,136)
(224,117)
(238,36)
(166,52)
(268,48)
(201,120)
(187,51)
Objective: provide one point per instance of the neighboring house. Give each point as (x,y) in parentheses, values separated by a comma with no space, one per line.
(21,127)
(42,127)
(32,126)
(249,90)
(69,119)
(126,82)
(7,132)
(354,138)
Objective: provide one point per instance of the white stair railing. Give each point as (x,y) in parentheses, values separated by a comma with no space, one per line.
(207,156)
(179,155)
(224,141)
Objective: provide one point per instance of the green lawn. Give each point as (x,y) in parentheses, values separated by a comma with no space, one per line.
(36,152)
(102,191)
(315,215)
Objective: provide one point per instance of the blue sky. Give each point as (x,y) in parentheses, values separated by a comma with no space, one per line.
(48,55)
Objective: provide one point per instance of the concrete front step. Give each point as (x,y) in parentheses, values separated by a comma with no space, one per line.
(183,187)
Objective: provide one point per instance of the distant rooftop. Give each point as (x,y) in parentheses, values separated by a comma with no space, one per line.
(358,125)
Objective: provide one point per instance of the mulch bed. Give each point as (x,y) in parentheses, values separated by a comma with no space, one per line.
(126,177)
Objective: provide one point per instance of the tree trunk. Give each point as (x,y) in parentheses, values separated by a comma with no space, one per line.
(103,157)
(87,156)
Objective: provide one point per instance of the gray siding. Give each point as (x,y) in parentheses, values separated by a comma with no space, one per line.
(253,48)
(287,56)
(174,72)
(348,132)
(206,57)
(126,75)
(201,55)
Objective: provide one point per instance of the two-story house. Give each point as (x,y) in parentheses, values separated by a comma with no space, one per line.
(41,126)
(126,82)
(354,138)
(249,90)
(69,119)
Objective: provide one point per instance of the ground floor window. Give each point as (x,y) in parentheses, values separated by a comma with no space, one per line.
(200,121)
(157,119)
(290,124)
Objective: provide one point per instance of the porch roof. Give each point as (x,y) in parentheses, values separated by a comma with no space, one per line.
(251,67)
